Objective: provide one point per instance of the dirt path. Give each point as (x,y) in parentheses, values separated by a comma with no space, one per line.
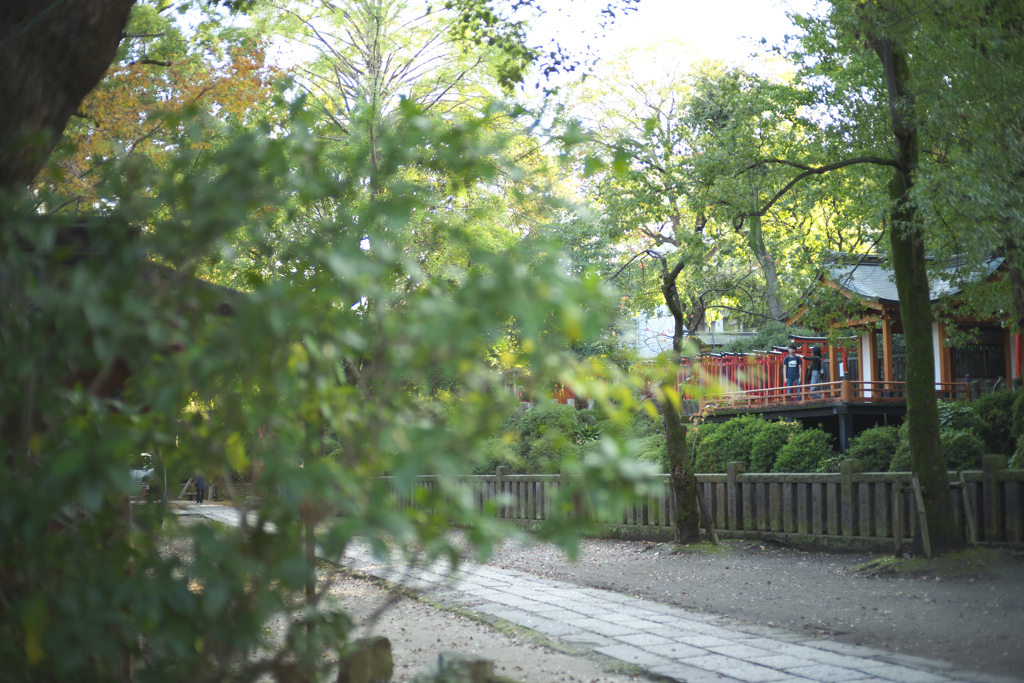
(976,621)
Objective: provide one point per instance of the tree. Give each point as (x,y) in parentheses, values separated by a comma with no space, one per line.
(886,84)
(159,82)
(51,60)
(114,348)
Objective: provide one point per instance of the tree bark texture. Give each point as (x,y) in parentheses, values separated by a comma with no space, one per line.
(1014,260)
(755,240)
(52,54)
(682,478)
(911,272)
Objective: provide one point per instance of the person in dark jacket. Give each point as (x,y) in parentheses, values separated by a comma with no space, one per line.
(793,365)
(815,370)
(200,484)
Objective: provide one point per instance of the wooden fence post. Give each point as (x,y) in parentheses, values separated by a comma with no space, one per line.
(499,488)
(847,500)
(992,496)
(732,491)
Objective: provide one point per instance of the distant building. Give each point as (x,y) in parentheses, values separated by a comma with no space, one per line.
(654,333)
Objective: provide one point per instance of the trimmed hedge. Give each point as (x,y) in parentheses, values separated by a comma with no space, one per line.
(809,450)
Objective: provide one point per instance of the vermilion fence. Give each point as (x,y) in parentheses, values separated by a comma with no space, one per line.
(851,505)
(846,391)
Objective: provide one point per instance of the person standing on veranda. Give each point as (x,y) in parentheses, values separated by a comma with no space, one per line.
(815,364)
(793,365)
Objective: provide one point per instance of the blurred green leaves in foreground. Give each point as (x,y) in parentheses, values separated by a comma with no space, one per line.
(113,347)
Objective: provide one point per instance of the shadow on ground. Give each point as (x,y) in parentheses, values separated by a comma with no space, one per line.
(967,610)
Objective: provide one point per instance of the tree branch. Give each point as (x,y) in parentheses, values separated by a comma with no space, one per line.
(816,170)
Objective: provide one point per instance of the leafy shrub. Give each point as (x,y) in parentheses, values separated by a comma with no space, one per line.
(996,413)
(807,451)
(702,436)
(654,449)
(875,448)
(545,454)
(732,442)
(962,449)
(1017,416)
(544,418)
(769,442)
(644,424)
(960,415)
(1017,461)
(494,452)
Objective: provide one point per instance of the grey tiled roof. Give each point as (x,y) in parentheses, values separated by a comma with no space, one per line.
(873,280)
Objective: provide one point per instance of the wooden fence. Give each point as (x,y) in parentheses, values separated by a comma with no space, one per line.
(850,509)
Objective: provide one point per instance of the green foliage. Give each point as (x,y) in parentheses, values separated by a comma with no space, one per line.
(654,449)
(768,335)
(1017,431)
(809,450)
(769,442)
(962,449)
(875,448)
(1017,461)
(732,441)
(995,411)
(696,438)
(333,363)
(960,415)
(1017,415)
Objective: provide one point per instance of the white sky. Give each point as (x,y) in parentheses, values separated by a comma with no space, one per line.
(720,29)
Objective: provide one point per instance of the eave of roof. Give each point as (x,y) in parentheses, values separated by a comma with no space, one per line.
(872,280)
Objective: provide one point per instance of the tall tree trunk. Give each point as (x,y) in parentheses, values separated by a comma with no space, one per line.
(908,254)
(1014,261)
(53,52)
(683,479)
(755,240)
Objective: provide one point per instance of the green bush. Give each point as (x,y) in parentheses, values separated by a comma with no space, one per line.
(644,424)
(495,452)
(1017,461)
(996,413)
(809,450)
(654,449)
(732,442)
(768,444)
(1017,416)
(962,449)
(875,448)
(702,436)
(960,415)
(545,454)
(543,418)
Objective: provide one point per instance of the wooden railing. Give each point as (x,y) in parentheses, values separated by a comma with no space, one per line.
(845,391)
(847,505)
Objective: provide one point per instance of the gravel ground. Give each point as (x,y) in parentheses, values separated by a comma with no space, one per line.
(419,632)
(976,621)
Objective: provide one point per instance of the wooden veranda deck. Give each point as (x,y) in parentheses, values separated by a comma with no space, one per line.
(843,408)
(843,392)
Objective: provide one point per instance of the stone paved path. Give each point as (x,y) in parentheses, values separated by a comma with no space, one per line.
(672,642)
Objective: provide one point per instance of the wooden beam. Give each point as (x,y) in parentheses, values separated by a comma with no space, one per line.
(873,351)
(833,364)
(1008,355)
(887,350)
(945,362)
